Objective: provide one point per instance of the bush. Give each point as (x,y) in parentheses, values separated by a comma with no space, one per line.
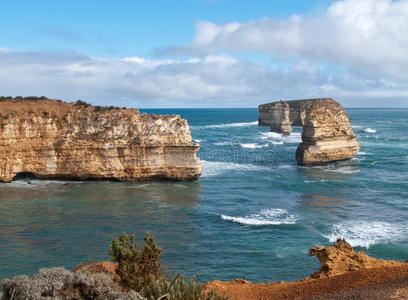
(135,267)
(177,289)
(82,103)
(58,283)
(139,270)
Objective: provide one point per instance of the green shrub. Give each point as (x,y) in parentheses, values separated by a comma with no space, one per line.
(139,270)
(177,289)
(135,266)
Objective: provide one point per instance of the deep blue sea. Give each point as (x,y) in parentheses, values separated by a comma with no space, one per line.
(253,214)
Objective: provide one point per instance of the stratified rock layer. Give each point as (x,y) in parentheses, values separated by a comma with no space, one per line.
(327,136)
(52,139)
(282,115)
(341,258)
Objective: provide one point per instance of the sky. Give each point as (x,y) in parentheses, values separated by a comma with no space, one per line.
(206,53)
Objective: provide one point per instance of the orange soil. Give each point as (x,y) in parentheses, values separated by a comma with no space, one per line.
(374,283)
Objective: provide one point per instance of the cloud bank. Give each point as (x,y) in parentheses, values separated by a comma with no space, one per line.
(368,36)
(357,52)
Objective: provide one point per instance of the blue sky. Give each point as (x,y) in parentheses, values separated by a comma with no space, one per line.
(126,27)
(206,53)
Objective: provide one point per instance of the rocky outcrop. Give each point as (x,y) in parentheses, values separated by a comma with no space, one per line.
(276,116)
(344,274)
(282,115)
(341,258)
(327,136)
(54,139)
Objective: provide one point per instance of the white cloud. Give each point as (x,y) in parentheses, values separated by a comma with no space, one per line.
(367,36)
(213,80)
(356,52)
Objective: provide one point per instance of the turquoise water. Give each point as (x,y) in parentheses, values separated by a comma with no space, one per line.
(253,214)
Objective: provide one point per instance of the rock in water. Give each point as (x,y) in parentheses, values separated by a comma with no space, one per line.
(276,115)
(282,115)
(327,136)
(58,140)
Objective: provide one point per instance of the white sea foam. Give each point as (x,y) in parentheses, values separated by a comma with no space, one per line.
(370,130)
(275,216)
(283,166)
(347,170)
(253,146)
(314,181)
(223,144)
(362,153)
(365,233)
(275,138)
(198,141)
(339,169)
(214,168)
(243,124)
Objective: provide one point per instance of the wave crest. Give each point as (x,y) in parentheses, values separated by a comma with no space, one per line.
(214,168)
(279,139)
(275,216)
(370,130)
(365,233)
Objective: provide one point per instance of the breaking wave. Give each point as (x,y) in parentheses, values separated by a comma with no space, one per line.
(214,168)
(223,144)
(253,146)
(370,130)
(365,234)
(243,124)
(279,139)
(338,169)
(264,217)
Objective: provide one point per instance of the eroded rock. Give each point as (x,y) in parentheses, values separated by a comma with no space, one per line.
(51,139)
(341,258)
(280,116)
(327,136)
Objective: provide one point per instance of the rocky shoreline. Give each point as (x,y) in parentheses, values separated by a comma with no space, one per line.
(344,274)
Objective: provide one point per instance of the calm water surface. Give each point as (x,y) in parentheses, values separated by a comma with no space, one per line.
(253,214)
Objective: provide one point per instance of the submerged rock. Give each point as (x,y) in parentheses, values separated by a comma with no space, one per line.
(327,136)
(282,115)
(58,140)
(341,258)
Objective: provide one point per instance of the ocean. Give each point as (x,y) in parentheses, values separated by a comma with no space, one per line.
(253,214)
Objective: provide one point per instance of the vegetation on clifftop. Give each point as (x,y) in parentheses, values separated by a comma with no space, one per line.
(138,277)
(140,270)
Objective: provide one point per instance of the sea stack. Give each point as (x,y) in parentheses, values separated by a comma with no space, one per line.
(52,139)
(280,116)
(327,136)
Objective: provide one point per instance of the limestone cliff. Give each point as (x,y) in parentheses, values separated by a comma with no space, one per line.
(282,115)
(327,136)
(341,258)
(54,139)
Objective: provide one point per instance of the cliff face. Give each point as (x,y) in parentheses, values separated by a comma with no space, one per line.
(282,115)
(327,136)
(52,139)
